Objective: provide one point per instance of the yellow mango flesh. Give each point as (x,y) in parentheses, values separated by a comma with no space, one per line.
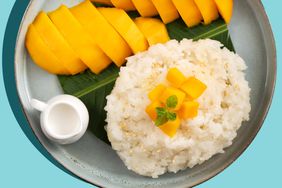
(41,54)
(79,40)
(106,37)
(156,93)
(166,9)
(123,4)
(170,91)
(189,12)
(208,10)
(145,8)
(170,128)
(119,19)
(225,8)
(175,77)
(105,2)
(151,109)
(153,29)
(189,109)
(57,44)
(193,87)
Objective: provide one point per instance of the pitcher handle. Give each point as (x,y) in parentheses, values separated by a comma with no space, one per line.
(38,105)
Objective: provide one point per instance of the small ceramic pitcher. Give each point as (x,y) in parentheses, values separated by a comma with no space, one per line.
(64,119)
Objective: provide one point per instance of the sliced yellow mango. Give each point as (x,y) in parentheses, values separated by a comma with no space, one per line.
(156,93)
(166,9)
(170,128)
(170,91)
(189,12)
(145,8)
(106,37)
(123,4)
(80,40)
(189,109)
(175,77)
(57,44)
(106,2)
(208,10)
(153,29)
(225,8)
(193,87)
(41,54)
(151,109)
(119,19)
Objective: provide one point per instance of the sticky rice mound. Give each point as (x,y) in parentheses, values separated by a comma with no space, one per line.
(225,104)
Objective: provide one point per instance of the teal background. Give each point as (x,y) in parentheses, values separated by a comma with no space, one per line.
(22,165)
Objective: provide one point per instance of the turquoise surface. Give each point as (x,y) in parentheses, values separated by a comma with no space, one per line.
(22,165)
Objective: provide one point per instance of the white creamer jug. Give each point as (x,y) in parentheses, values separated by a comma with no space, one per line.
(64,119)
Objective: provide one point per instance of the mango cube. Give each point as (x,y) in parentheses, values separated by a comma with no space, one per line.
(151,109)
(156,93)
(189,109)
(175,77)
(193,87)
(170,91)
(170,128)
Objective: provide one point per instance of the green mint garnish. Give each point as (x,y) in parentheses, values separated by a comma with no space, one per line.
(164,114)
(172,101)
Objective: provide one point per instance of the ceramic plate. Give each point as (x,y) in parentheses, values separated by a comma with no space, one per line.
(94,161)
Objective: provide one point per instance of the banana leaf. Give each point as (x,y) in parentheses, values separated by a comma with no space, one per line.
(92,89)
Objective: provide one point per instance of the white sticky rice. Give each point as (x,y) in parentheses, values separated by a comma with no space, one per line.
(142,146)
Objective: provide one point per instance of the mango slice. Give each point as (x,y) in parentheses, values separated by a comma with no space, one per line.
(166,9)
(123,4)
(106,37)
(193,87)
(189,109)
(153,29)
(225,8)
(151,109)
(170,91)
(175,77)
(119,19)
(105,2)
(156,93)
(208,10)
(189,12)
(41,54)
(57,44)
(79,40)
(145,8)
(170,128)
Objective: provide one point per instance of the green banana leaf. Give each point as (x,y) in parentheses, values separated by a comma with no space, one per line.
(93,89)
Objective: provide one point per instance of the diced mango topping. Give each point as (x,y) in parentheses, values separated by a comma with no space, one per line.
(175,77)
(171,104)
(170,91)
(156,93)
(189,109)
(193,87)
(170,128)
(151,109)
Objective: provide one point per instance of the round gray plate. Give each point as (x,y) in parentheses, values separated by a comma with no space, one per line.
(94,161)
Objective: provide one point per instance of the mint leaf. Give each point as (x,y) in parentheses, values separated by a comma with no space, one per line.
(172,101)
(171,116)
(161,120)
(161,111)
